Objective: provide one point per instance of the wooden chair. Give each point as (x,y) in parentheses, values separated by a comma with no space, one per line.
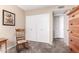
(21,43)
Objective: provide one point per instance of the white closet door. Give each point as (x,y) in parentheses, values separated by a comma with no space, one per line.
(37,28)
(43,28)
(30,28)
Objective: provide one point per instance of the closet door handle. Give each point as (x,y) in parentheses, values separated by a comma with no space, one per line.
(30,29)
(41,29)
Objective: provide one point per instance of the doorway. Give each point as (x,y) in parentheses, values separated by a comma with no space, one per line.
(60,34)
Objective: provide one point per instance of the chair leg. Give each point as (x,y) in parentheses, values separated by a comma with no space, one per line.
(26,45)
(17,48)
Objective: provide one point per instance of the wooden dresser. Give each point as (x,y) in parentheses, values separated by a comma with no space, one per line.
(74,29)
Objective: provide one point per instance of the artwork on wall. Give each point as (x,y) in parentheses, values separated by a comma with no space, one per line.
(8,18)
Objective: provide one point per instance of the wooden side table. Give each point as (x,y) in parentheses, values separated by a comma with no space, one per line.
(4,41)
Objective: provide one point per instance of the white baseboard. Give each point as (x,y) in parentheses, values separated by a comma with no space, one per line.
(11,47)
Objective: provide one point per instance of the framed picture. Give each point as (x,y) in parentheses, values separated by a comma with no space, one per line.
(8,18)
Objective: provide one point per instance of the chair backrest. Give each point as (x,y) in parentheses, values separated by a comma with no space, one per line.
(20,34)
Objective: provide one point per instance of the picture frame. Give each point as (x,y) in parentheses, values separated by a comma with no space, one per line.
(8,18)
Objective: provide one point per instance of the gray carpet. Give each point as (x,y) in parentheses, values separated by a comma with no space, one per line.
(39,47)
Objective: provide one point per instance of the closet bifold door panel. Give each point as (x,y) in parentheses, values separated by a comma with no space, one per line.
(74,29)
(43,28)
(37,28)
(30,28)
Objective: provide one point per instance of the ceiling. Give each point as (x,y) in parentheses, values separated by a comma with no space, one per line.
(56,8)
(31,7)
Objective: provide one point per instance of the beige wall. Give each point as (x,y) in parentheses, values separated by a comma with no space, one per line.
(39,11)
(9,31)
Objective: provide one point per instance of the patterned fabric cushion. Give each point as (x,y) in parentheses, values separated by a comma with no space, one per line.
(22,41)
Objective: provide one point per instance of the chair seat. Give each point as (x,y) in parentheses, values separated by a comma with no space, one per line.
(22,41)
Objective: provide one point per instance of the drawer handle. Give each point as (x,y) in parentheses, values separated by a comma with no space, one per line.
(73,15)
(70,40)
(71,49)
(71,24)
(71,32)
